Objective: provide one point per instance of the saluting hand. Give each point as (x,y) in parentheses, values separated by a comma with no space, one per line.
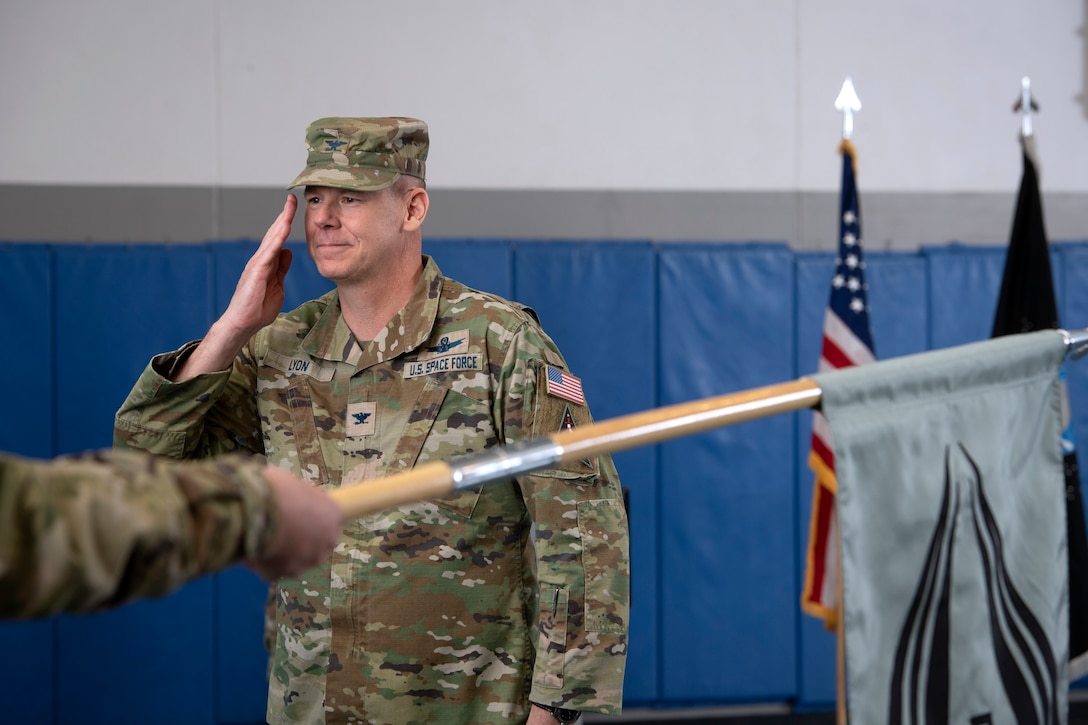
(258,298)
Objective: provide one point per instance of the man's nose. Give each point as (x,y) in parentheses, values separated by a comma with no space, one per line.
(324,215)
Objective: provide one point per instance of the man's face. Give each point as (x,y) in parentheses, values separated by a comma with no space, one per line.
(353,235)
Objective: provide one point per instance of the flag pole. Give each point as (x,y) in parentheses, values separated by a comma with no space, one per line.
(848,103)
(441,478)
(1025,104)
(840,648)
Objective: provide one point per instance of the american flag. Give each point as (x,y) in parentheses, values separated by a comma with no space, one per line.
(847,340)
(565,385)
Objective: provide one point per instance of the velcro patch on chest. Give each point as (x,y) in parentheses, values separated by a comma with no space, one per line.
(362,419)
(299,366)
(449,355)
(567,423)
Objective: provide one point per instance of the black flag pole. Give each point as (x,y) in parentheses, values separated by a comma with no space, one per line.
(1026,303)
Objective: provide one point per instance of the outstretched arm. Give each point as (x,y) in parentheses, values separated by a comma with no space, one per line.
(309,525)
(92,532)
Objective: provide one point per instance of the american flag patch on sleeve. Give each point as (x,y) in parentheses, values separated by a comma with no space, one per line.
(564,385)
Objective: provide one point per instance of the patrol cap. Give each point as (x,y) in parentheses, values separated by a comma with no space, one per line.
(363,153)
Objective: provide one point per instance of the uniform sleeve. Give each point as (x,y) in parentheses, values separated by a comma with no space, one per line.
(581,547)
(89,533)
(205,416)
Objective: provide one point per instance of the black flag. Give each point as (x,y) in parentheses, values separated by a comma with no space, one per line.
(1027,303)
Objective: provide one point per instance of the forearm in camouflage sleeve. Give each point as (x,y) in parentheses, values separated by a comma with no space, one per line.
(205,416)
(88,533)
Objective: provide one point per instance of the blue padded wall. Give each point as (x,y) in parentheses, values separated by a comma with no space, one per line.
(26,298)
(241,660)
(719,520)
(117,306)
(484,264)
(597,301)
(963,287)
(727,496)
(899,310)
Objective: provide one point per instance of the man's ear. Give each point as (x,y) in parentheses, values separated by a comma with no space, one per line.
(416,209)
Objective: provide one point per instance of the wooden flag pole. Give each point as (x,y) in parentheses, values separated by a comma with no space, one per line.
(841,717)
(440,478)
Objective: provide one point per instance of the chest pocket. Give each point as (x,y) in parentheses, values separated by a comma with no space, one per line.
(300,408)
(289,410)
(443,425)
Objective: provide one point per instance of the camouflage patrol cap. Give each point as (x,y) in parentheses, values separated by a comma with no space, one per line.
(363,153)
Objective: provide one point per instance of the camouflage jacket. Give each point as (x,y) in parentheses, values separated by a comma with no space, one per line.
(447,610)
(79,534)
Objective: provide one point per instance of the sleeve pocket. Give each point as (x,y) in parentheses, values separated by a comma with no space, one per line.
(551,647)
(603,527)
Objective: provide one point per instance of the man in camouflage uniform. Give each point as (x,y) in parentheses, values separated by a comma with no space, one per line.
(81,534)
(446,611)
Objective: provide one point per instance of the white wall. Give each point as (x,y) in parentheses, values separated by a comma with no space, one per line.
(704,95)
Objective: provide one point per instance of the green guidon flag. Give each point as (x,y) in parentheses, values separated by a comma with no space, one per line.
(952,514)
